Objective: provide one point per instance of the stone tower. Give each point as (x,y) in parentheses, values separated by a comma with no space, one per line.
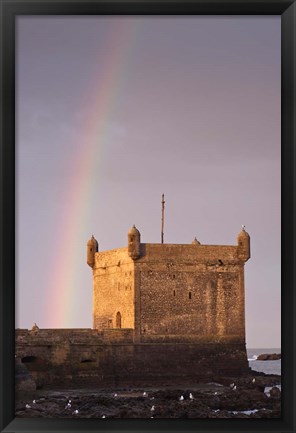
(176,292)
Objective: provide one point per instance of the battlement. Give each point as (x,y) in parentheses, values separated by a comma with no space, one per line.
(188,253)
(169,253)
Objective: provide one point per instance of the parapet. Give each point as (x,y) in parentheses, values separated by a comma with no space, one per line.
(188,253)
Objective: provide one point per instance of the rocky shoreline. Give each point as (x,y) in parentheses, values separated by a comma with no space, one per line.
(269,357)
(256,395)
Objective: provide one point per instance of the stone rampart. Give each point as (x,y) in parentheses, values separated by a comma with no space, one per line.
(87,358)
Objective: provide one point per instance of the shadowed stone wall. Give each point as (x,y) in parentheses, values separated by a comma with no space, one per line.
(78,358)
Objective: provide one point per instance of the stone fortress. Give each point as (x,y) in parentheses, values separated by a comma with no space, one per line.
(163,314)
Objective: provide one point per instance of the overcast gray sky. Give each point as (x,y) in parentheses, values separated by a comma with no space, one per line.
(114,111)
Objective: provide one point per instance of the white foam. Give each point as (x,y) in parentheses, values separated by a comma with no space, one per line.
(268,388)
(254,358)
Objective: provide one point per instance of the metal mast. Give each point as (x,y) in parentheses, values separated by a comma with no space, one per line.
(162,217)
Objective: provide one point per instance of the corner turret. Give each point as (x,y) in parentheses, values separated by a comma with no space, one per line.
(92,248)
(134,243)
(243,242)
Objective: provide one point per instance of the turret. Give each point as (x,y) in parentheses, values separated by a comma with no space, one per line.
(243,242)
(134,243)
(92,249)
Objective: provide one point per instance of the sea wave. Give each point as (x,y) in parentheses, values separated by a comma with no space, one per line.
(254,357)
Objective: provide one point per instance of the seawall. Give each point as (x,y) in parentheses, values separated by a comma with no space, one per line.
(80,358)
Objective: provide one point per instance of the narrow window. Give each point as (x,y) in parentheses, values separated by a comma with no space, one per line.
(189,295)
(174,292)
(118,320)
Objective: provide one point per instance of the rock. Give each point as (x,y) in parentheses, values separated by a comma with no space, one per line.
(275,392)
(269,357)
(210,401)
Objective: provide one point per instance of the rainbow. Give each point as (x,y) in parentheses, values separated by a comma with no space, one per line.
(104,91)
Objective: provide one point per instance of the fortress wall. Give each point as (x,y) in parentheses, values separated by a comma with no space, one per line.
(177,289)
(94,364)
(113,289)
(191,300)
(118,335)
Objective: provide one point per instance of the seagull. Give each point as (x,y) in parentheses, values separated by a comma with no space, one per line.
(34,401)
(231,385)
(144,394)
(104,416)
(28,406)
(215,393)
(76,411)
(115,395)
(253,381)
(191,396)
(243,226)
(234,388)
(153,408)
(68,405)
(181,398)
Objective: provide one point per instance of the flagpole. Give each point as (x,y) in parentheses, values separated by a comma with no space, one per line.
(162,217)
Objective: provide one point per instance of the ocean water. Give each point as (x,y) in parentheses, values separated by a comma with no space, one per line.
(268,367)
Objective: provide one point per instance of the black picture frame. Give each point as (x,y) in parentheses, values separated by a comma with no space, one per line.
(9,10)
